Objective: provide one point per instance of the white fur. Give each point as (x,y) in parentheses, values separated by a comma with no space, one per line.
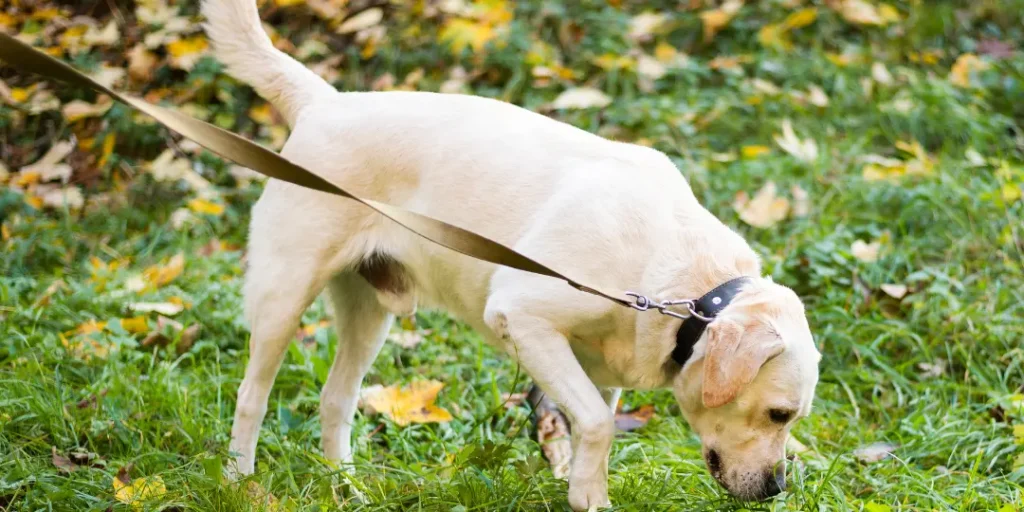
(613,214)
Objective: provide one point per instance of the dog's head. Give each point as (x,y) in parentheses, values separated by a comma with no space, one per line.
(750,378)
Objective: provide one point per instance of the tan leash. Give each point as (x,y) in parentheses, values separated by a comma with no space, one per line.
(25,58)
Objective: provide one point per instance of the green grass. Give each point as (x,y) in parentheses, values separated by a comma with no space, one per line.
(950,236)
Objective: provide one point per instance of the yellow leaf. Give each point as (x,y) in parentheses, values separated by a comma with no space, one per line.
(763,211)
(21,95)
(610,61)
(206,206)
(462,33)
(774,36)
(665,52)
(139,490)
(1011,192)
(754,151)
(801,18)
(108,149)
(135,325)
(288,3)
(77,109)
(89,327)
(410,404)
(716,19)
(184,53)
(861,12)
(160,275)
(262,114)
(960,73)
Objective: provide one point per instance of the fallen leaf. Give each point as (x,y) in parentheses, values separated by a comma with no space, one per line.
(185,53)
(874,452)
(141,63)
(714,20)
(49,167)
(801,201)
(881,74)
(57,197)
(817,96)
(644,26)
(106,36)
(861,12)
(163,308)
(996,49)
(407,338)
(138,491)
(410,404)
(965,65)
(763,211)
(795,447)
(364,20)
(62,463)
(754,151)
(135,325)
(633,420)
(553,433)
(78,109)
(108,76)
(866,252)
(206,207)
(805,150)
(934,369)
(896,291)
(581,98)
(160,275)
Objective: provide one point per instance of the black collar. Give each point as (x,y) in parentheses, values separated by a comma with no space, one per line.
(708,306)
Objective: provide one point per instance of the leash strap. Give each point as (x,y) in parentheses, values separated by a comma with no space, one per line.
(25,58)
(707,308)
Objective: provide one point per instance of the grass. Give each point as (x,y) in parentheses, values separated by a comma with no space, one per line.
(953,236)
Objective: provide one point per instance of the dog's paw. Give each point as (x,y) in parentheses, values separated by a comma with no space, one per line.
(587,496)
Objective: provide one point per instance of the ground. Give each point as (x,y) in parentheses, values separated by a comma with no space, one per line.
(870,152)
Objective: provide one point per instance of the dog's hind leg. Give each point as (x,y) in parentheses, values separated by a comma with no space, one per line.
(281,282)
(362,323)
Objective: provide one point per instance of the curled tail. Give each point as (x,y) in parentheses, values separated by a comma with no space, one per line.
(240,43)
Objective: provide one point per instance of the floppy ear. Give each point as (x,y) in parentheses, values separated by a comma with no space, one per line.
(732,359)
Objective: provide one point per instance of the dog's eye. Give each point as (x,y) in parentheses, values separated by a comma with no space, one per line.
(780,415)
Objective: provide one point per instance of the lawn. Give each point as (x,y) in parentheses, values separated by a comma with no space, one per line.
(872,153)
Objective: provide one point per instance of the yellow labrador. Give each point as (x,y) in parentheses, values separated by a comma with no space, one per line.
(615,214)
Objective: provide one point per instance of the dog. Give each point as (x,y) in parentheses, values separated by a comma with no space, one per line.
(614,213)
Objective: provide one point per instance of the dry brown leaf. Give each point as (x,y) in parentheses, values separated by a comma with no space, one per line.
(801,201)
(62,463)
(933,369)
(643,27)
(817,97)
(862,12)
(805,150)
(716,19)
(581,98)
(635,419)
(553,435)
(163,308)
(59,197)
(410,404)
(141,63)
(78,109)
(49,167)
(881,74)
(512,400)
(874,452)
(763,211)
(408,338)
(896,291)
(362,21)
(866,252)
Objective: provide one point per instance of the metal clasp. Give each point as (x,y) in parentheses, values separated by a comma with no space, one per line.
(643,303)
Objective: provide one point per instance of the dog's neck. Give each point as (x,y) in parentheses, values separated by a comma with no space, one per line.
(677,272)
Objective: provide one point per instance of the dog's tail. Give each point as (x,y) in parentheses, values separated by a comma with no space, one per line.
(240,43)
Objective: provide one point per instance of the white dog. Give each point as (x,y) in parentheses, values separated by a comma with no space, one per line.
(615,214)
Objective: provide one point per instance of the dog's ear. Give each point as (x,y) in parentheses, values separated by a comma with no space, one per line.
(733,356)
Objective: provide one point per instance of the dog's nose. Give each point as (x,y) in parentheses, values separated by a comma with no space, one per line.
(714,463)
(775,481)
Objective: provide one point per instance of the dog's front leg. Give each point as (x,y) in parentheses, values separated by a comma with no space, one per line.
(545,354)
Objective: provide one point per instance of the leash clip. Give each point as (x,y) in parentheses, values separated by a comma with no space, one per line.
(641,302)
